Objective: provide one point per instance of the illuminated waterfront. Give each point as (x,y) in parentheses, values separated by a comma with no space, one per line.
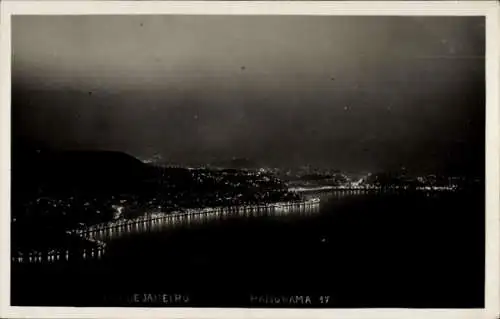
(346,242)
(97,235)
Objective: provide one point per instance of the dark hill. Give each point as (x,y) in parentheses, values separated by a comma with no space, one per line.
(102,162)
(98,172)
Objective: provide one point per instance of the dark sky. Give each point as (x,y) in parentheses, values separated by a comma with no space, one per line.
(354,93)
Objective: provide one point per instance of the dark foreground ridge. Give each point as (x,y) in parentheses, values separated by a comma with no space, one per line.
(79,171)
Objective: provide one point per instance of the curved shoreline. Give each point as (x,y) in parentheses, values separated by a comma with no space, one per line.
(228,210)
(99,248)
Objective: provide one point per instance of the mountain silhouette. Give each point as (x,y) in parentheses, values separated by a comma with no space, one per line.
(92,171)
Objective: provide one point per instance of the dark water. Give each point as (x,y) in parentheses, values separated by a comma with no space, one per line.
(378,250)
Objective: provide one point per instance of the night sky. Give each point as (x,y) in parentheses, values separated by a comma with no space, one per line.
(353,93)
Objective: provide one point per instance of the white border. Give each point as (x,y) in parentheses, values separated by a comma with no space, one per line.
(490,9)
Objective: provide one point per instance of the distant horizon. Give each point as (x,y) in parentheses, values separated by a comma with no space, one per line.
(356,93)
(219,163)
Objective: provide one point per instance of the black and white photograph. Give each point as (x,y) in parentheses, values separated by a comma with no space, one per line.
(248,161)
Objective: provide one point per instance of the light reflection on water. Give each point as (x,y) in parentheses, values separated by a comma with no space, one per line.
(177,221)
(194,220)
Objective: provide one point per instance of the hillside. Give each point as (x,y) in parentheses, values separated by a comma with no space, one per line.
(77,171)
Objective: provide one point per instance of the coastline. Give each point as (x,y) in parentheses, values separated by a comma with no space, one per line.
(98,247)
